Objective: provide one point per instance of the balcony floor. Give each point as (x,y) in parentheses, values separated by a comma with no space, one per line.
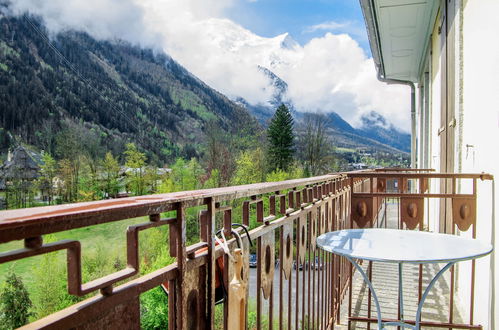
(385,282)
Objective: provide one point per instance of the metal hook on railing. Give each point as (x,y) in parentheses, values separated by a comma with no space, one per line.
(245,228)
(239,240)
(232,231)
(223,243)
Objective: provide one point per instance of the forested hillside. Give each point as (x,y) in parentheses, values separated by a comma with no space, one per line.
(103,94)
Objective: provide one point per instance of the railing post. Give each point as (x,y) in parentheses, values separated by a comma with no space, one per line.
(210,230)
(181,299)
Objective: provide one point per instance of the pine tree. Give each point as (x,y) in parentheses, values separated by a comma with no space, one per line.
(15,303)
(281,139)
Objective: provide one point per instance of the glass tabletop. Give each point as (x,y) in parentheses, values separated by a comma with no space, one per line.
(408,246)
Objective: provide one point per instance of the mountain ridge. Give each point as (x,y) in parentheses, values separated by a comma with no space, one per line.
(374,132)
(126,93)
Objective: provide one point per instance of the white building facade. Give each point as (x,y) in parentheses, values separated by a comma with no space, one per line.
(447,51)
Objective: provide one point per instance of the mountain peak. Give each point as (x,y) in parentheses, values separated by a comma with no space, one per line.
(373,119)
(286,41)
(375,126)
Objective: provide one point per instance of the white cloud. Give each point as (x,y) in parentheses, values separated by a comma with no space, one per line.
(329,73)
(102,19)
(355,29)
(328,26)
(334,74)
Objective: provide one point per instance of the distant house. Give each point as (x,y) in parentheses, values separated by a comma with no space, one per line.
(22,165)
(158,172)
(359,166)
(17,175)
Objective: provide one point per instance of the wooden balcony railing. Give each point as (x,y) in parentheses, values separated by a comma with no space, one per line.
(307,208)
(425,200)
(289,216)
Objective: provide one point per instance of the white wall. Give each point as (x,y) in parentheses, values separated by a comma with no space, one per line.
(479,147)
(481,131)
(435,103)
(435,97)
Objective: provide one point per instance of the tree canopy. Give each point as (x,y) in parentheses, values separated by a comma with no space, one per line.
(316,147)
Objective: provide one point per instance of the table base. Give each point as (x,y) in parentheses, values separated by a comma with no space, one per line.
(400,323)
(422,323)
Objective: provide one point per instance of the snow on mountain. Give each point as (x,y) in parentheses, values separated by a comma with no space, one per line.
(276,56)
(261,51)
(328,73)
(377,127)
(331,73)
(288,42)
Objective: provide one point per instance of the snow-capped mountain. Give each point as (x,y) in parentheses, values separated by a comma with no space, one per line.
(377,127)
(329,71)
(266,52)
(375,131)
(263,111)
(280,89)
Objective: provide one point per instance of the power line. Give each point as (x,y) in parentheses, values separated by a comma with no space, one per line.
(75,70)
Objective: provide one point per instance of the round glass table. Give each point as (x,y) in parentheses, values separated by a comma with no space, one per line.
(401,246)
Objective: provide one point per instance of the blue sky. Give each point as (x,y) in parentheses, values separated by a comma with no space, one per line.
(303,19)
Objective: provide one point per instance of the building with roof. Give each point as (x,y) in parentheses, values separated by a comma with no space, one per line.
(21,168)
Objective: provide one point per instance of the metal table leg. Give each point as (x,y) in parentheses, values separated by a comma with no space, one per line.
(425,294)
(420,305)
(401,294)
(366,279)
(401,323)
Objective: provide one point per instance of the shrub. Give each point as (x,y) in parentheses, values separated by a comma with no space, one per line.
(15,303)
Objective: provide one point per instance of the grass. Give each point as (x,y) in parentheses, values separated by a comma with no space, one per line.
(103,252)
(189,100)
(344,150)
(111,235)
